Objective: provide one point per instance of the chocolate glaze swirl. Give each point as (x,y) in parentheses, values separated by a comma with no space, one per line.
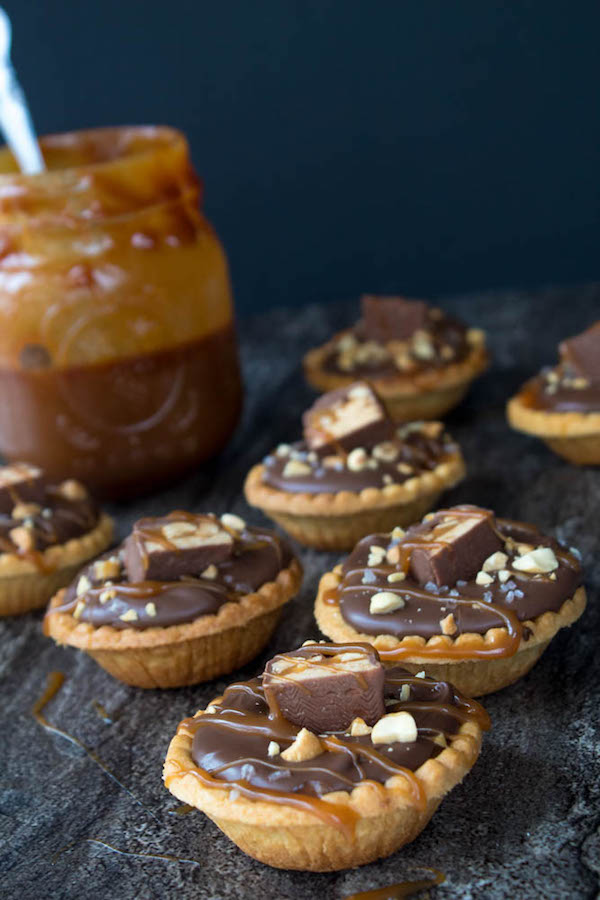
(258,557)
(417,452)
(232,743)
(475,608)
(560,394)
(448,339)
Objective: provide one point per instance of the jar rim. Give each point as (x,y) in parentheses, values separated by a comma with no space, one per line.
(92,150)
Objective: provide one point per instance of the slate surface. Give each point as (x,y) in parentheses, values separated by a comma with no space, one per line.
(522,825)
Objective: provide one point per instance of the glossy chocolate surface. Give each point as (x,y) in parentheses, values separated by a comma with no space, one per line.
(474,607)
(54,519)
(416,449)
(560,393)
(232,743)
(257,557)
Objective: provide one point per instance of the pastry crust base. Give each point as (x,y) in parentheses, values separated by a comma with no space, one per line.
(289,838)
(24,587)
(337,521)
(428,394)
(473,677)
(178,655)
(574,436)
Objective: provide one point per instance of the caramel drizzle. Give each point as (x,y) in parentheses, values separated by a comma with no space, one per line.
(343,817)
(275,727)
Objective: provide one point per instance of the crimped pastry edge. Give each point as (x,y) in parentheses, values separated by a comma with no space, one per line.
(345,503)
(65,629)
(543,424)
(542,628)
(396,385)
(62,556)
(437,776)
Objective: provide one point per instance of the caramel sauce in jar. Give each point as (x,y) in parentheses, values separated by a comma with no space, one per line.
(118,357)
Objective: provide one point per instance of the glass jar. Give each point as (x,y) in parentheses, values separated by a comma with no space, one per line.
(118,358)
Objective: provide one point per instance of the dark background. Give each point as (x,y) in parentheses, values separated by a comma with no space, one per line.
(424,146)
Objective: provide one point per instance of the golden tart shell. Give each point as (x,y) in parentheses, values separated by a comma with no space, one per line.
(425,394)
(472,677)
(188,653)
(336,521)
(289,838)
(24,586)
(573,435)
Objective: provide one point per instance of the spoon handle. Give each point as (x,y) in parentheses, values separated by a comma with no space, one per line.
(15,119)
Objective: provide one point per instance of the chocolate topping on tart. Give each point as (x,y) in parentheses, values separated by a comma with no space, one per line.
(398,336)
(496,574)
(243,741)
(182,581)
(320,687)
(351,444)
(573,385)
(36,515)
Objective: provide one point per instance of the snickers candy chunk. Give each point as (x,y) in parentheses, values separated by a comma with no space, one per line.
(47,531)
(179,544)
(178,582)
(460,587)
(419,359)
(354,468)
(319,723)
(561,405)
(324,688)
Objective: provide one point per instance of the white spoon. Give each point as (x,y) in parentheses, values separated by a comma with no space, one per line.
(15,120)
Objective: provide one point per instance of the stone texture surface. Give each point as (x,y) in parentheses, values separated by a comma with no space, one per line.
(523,824)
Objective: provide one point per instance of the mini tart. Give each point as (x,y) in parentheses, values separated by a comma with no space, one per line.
(47,532)
(337,520)
(335,830)
(427,393)
(165,656)
(27,585)
(476,663)
(573,435)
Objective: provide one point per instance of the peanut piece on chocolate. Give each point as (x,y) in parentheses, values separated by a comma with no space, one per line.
(107,568)
(385,602)
(22,538)
(448,625)
(26,510)
(395,727)
(323,690)
(348,418)
(359,727)
(537,562)
(306,746)
(72,490)
(166,548)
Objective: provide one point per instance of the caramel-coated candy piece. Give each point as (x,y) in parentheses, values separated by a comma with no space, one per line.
(392,318)
(165,548)
(324,687)
(582,353)
(454,545)
(347,417)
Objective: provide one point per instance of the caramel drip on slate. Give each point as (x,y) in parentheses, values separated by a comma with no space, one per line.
(55,681)
(401,888)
